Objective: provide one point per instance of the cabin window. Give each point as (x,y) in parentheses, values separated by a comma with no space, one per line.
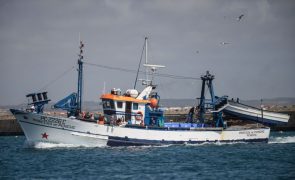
(108,104)
(135,106)
(119,105)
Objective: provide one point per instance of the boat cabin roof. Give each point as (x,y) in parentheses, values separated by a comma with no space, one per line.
(123,98)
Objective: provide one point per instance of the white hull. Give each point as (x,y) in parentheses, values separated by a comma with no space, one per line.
(43,128)
(248,113)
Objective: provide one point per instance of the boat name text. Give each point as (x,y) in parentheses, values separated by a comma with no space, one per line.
(55,122)
(251,133)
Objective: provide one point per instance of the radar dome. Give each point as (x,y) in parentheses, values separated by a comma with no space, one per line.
(132,93)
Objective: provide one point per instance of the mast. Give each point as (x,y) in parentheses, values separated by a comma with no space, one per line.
(147,66)
(206,80)
(145,81)
(80,78)
(146,60)
(215,106)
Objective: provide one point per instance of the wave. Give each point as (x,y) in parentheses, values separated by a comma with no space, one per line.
(48,145)
(272,140)
(218,143)
(281,140)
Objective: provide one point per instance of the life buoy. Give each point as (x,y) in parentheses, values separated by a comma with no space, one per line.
(139,116)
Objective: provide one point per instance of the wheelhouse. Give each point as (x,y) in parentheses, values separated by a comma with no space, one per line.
(123,108)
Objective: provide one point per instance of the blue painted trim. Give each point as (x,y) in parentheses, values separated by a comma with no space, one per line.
(171,128)
(118,141)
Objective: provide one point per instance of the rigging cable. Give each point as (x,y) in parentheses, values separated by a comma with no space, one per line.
(52,81)
(139,66)
(57,78)
(142,72)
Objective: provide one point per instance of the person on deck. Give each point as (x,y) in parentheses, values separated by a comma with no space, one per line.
(191,115)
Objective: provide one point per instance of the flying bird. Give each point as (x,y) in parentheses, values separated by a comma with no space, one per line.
(224,43)
(240,17)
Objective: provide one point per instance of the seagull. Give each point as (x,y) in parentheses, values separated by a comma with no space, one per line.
(240,17)
(224,43)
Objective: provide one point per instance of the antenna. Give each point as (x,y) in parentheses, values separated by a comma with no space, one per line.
(153,68)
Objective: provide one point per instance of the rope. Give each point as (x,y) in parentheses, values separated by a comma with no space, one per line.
(51,82)
(111,68)
(176,76)
(141,72)
(57,78)
(139,66)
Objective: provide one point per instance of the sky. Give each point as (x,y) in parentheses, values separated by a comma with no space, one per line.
(251,58)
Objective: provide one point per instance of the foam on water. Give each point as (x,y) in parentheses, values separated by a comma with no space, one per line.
(47,145)
(43,145)
(201,144)
(218,143)
(140,148)
(281,140)
(151,146)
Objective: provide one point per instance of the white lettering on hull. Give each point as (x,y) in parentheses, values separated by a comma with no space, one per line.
(251,133)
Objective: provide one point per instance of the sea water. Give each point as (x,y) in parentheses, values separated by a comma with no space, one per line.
(273,160)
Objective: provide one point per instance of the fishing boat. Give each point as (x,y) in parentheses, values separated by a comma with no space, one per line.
(132,118)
